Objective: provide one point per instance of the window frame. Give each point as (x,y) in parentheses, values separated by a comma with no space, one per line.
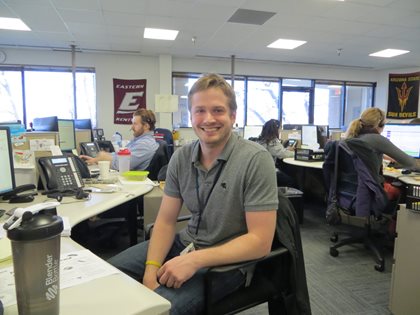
(59,69)
(311,89)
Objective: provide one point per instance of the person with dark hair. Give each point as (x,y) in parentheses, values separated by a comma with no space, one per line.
(228,185)
(142,147)
(269,139)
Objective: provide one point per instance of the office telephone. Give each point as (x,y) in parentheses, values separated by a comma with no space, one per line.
(89,148)
(59,173)
(290,143)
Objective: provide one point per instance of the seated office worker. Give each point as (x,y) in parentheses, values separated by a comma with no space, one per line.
(229,186)
(142,147)
(368,128)
(269,139)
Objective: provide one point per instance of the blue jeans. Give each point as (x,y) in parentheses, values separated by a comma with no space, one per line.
(189,298)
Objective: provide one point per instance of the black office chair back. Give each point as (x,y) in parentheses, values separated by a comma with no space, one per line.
(160,159)
(167,136)
(355,158)
(346,182)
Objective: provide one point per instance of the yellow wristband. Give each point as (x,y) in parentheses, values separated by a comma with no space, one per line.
(153,263)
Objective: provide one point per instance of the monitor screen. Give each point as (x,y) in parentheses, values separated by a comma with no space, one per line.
(291,127)
(7,178)
(309,135)
(323,135)
(252,131)
(404,136)
(66,134)
(83,124)
(45,124)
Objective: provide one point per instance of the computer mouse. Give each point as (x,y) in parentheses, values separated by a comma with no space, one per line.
(405,172)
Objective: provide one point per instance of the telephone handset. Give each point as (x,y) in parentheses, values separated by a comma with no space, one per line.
(290,143)
(89,148)
(59,173)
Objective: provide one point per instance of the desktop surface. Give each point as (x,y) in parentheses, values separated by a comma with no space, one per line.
(99,296)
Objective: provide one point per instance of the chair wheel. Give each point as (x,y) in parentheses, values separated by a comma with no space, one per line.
(333,252)
(380,267)
(334,238)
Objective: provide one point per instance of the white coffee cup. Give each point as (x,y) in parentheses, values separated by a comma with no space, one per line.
(104,169)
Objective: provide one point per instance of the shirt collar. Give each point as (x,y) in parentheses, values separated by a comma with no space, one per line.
(224,156)
(147,133)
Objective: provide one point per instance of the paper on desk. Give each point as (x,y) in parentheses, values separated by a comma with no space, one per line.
(75,268)
(5,249)
(147,181)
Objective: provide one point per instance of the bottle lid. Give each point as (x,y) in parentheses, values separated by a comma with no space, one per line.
(124,152)
(36,227)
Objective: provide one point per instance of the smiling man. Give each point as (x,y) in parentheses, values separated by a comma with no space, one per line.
(229,186)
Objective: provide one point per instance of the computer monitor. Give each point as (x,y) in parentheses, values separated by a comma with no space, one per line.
(404,136)
(45,123)
(66,135)
(323,135)
(291,127)
(252,131)
(16,129)
(309,135)
(7,178)
(84,124)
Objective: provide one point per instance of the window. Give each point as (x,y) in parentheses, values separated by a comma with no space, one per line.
(31,92)
(328,102)
(11,101)
(262,100)
(182,84)
(301,101)
(358,98)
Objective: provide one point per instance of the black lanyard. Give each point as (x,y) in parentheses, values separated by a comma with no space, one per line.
(201,206)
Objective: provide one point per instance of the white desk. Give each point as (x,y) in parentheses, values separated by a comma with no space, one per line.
(394,173)
(115,294)
(315,164)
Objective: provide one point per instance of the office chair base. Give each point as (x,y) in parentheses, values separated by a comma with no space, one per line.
(367,242)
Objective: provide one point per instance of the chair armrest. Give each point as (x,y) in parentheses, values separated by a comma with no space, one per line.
(149,227)
(248,266)
(225,268)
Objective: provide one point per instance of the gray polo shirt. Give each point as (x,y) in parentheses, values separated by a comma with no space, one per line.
(246,182)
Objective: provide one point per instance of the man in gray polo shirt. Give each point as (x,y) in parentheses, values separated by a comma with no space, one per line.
(229,185)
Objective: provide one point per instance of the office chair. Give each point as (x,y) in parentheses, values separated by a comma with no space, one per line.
(278,278)
(160,159)
(350,173)
(167,136)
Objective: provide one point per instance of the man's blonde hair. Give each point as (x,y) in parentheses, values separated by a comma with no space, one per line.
(216,81)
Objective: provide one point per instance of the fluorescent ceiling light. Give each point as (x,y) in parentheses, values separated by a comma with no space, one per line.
(286,44)
(388,53)
(13,24)
(157,33)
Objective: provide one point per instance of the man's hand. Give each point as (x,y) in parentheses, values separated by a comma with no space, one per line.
(150,278)
(176,271)
(88,159)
